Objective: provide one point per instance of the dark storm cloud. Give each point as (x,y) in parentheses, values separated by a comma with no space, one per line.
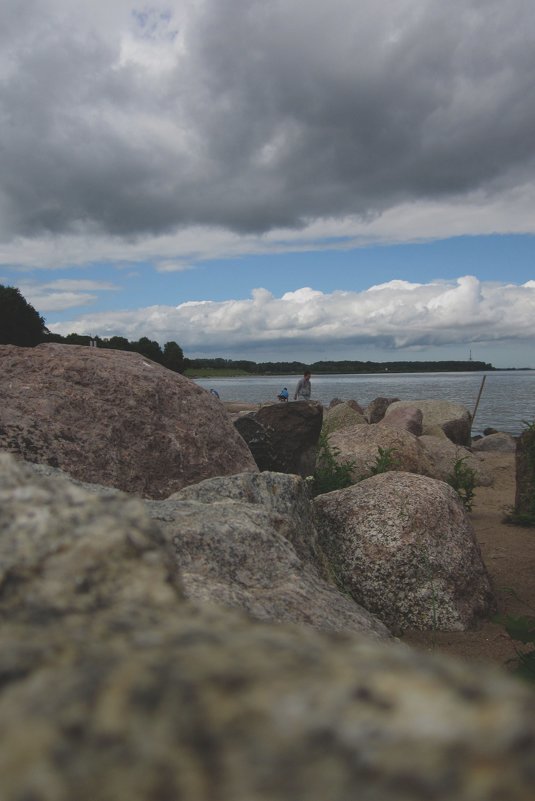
(251,115)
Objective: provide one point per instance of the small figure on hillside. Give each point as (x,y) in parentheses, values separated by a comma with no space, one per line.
(303,389)
(214,392)
(283,394)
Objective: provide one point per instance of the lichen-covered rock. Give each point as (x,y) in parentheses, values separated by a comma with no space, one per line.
(499,442)
(405,549)
(66,552)
(114,418)
(455,420)
(341,416)
(114,687)
(376,409)
(360,444)
(442,455)
(249,541)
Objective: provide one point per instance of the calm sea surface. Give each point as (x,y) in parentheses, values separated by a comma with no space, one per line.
(507,399)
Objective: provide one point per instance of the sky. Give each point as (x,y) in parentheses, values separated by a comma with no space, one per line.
(267,180)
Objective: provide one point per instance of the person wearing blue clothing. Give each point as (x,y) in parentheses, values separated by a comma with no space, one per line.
(283,394)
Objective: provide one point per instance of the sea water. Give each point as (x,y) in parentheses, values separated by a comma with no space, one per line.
(507,399)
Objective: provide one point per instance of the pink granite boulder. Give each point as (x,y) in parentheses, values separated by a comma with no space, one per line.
(114,418)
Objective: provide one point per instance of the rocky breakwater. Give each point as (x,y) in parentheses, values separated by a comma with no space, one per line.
(421,437)
(113,685)
(114,418)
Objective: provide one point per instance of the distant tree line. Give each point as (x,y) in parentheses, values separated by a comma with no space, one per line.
(347,366)
(21,324)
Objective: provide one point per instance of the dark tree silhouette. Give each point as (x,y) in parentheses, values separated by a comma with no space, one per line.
(173,357)
(20,324)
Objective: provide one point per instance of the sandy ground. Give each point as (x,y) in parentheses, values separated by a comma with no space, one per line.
(509,554)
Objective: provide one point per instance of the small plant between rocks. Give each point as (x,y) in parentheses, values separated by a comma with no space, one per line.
(463,481)
(384,461)
(332,473)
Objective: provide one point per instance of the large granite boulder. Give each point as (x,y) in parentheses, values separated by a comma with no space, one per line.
(249,541)
(376,409)
(341,415)
(442,455)
(404,548)
(455,420)
(361,445)
(289,436)
(408,418)
(115,418)
(112,686)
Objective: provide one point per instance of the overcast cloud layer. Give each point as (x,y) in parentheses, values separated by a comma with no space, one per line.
(246,115)
(174,132)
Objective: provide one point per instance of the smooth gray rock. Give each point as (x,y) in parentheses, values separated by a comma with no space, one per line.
(499,442)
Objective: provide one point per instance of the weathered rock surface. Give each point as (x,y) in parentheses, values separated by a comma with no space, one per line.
(351,402)
(375,410)
(112,686)
(405,549)
(525,474)
(442,454)
(360,444)
(407,418)
(249,541)
(500,442)
(257,438)
(341,416)
(114,418)
(455,420)
(289,436)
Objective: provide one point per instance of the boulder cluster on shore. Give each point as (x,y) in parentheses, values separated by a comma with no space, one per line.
(182,620)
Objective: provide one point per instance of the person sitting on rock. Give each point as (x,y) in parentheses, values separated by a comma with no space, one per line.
(283,394)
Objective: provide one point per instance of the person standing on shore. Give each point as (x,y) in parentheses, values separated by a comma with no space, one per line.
(303,389)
